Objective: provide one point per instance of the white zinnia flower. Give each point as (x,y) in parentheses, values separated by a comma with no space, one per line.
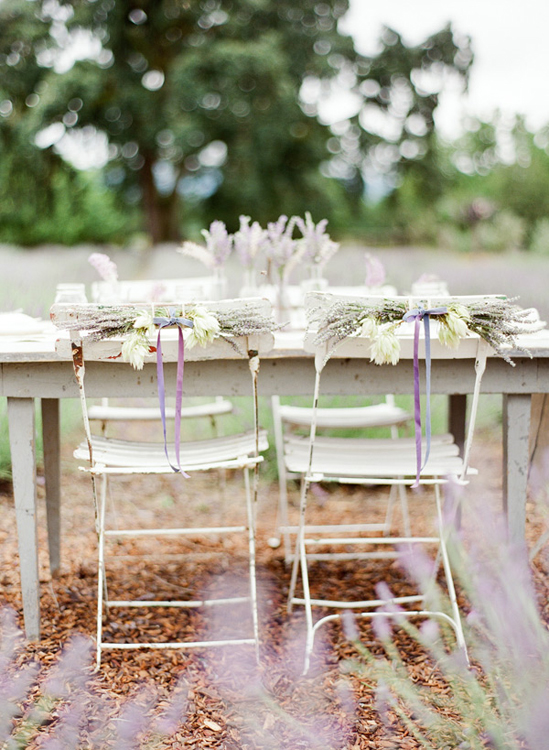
(385,348)
(205,327)
(135,349)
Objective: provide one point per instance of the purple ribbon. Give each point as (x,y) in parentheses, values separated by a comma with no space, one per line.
(164,323)
(417,315)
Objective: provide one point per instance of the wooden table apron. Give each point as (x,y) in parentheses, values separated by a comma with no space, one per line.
(290,374)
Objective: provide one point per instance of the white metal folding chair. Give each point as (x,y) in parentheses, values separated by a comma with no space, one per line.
(108,457)
(383,461)
(385,414)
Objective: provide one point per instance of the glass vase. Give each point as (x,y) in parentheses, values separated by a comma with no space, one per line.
(316,281)
(219,287)
(249,287)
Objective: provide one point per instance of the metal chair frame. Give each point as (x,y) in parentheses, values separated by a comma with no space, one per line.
(108,457)
(389,462)
(285,417)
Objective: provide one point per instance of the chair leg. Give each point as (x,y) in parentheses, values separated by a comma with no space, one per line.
(102,594)
(449,578)
(297,556)
(251,557)
(309,644)
(221,473)
(389,512)
(282,520)
(404,509)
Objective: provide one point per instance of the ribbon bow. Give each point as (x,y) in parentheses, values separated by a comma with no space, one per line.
(419,314)
(163,322)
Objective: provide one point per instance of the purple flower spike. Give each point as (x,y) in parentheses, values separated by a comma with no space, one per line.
(104,266)
(219,242)
(375,271)
(316,245)
(249,241)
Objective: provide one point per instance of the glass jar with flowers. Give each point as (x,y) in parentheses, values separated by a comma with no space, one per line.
(219,244)
(282,256)
(249,243)
(106,291)
(315,250)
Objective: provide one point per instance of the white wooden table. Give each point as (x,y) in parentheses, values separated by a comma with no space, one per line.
(31,369)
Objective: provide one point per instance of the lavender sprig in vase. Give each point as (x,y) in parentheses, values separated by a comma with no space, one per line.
(219,244)
(315,250)
(249,244)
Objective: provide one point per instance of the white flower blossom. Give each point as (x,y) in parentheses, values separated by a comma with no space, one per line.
(453,327)
(135,349)
(369,328)
(145,321)
(205,327)
(385,348)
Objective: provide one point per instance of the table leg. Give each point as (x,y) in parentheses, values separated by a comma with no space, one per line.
(21,427)
(516,431)
(52,471)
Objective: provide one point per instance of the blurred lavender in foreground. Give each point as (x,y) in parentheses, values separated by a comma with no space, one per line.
(501,702)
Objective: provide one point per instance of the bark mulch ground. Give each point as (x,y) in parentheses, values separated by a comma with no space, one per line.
(209,698)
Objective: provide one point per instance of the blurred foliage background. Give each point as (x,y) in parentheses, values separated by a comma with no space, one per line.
(125,119)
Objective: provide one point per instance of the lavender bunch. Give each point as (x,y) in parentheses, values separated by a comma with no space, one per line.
(343,319)
(499,323)
(104,266)
(98,322)
(280,247)
(375,271)
(136,325)
(496,320)
(219,244)
(316,247)
(249,242)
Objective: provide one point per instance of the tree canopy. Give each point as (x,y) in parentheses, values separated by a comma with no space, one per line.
(202,104)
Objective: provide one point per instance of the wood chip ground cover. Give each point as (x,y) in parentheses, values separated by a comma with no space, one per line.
(214,698)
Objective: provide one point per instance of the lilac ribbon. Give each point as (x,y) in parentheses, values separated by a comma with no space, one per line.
(417,315)
(164,323)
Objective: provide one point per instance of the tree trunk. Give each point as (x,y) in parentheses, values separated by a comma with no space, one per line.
(161,211)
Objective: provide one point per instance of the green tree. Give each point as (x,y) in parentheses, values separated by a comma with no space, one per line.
(197,99)
(200,102)
(500,167)
(400,89)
